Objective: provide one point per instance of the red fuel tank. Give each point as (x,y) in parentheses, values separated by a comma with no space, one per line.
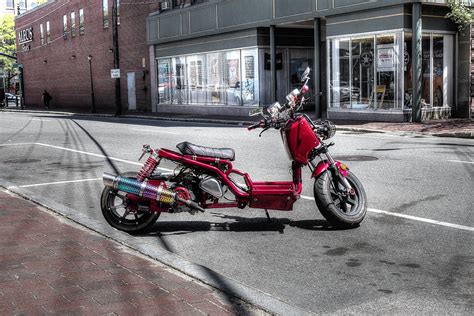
(299,139)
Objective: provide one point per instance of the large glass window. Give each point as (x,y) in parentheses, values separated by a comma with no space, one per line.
(437,70)
(426,70)
(73,24)
(164,80)
(48,32)
(339,83)
(105,13)
(364,72)
(215,76)
(65,26)
(232,78)
(197,86)
(300,59)
(220,78)
(249,85)
(179,84)
(81,22)
(41,34)
(388,83)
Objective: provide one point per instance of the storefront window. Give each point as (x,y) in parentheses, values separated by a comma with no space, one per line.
(249,84)
(388,84)
(426,70)
(300,59)
(178,81)
(232,78)
(437,70)
(164,80)
(196,70)
(221,78)
(215,74)
(339,83)
(364,72)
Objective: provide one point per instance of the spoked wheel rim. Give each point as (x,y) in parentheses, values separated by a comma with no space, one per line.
(123,211)
(346,203)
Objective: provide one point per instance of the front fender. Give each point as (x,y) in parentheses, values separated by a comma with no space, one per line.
(324,165)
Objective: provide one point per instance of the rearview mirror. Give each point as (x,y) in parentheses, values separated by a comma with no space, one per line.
(255,112)
(305,75)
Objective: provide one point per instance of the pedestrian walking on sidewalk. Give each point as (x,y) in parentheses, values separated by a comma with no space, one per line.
(46,97)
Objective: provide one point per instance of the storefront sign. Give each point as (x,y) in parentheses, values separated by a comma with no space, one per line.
(385,58)
(25,36)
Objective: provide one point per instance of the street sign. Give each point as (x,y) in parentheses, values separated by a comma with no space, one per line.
(114,73)
(15,65)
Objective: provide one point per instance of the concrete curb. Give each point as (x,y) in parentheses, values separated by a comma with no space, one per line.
(466,134)
(225,284)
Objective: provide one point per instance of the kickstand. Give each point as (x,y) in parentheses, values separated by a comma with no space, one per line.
(268,216)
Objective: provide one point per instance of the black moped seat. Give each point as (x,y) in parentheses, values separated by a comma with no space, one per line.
(187,148)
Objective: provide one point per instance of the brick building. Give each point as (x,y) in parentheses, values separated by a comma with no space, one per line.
(61,43)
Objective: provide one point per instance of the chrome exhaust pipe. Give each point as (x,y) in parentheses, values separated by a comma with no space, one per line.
(146,190)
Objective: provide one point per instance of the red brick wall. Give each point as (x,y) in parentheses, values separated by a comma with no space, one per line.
(66,77)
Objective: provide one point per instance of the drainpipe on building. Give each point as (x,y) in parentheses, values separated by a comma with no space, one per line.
(416,62)
(118,100)
(89,58)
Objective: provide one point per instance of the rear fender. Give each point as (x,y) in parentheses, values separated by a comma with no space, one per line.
(324,165)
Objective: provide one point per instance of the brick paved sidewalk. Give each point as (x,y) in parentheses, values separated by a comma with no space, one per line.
(51,265)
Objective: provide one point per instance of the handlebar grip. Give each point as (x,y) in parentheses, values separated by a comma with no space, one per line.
(254,126)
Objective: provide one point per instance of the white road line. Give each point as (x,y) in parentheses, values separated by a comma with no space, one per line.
(153,131)
(17,144)
(89,154)
(460,161)
(414,218)
(96,155)
(58,182)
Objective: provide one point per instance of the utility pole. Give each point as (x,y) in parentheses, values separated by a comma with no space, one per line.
(118,100)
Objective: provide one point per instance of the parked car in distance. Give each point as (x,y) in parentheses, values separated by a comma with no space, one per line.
(10,97)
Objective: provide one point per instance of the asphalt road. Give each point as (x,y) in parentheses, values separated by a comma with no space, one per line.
(413,253)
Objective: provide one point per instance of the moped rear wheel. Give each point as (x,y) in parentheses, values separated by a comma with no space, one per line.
(340,209)
(122,211)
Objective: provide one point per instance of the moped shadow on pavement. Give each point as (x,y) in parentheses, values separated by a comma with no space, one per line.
(237,224)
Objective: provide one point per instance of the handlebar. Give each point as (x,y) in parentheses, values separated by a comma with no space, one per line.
(262,123)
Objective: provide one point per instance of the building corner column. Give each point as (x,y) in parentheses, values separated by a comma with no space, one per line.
(417,61)
(273,76)
(153,80)
(317,68)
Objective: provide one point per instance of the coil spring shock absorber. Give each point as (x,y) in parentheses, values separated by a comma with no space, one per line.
(150,164)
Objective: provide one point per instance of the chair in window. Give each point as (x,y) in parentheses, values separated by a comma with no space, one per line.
(380,94)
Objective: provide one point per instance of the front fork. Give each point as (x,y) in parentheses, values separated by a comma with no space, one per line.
(339,169)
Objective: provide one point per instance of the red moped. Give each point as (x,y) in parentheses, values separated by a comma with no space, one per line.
(204,177)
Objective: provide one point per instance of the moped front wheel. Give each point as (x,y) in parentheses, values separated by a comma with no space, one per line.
(123,212)
(341,209)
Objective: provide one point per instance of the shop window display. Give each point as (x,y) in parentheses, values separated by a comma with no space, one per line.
(300,59)
(220,78)
(364,72)
(388,85)
(339,83)
(437,70)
